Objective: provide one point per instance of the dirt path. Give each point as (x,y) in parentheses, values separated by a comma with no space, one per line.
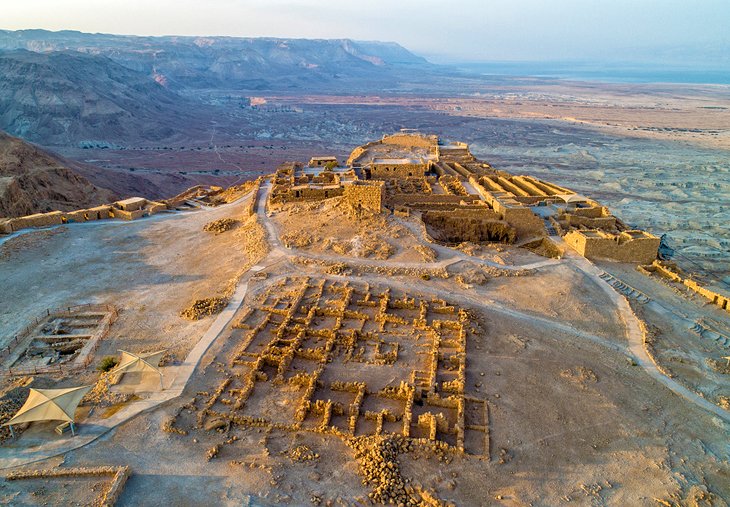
(635,337)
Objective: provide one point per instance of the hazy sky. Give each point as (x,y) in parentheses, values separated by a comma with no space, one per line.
(473,30)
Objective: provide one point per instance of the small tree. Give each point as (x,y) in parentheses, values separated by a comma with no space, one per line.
(330,165)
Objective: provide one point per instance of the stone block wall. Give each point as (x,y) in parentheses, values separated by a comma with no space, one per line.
(475,225)
(629,246)
(525,222)
(412,140)
(393,170)
(365,194)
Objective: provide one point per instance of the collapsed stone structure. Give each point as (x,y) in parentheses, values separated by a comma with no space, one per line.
(299,364)
(460,198)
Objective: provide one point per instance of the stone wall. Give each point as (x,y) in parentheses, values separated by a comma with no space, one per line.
(628,246)
(139,208)
(365,194)
(424,200)
(475,225)
(667,271)
(305,193)
(525,222)
(577,221)
(412,140)
(398,170)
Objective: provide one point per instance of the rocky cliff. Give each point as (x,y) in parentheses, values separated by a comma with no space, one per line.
(33,181)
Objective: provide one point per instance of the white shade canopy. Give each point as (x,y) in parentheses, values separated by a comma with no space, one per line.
(147,362)
(50,405)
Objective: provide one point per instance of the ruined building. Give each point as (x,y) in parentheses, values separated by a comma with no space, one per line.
(460,198)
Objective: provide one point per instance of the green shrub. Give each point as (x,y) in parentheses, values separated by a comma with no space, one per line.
(107,363)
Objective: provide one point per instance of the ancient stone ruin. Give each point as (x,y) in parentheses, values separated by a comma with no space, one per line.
(351,360)
(461,199)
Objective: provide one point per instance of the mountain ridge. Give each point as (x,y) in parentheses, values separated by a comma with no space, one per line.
(33,181)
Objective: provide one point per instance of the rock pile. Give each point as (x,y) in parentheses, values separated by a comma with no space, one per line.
(204,307)
(102,396)
(11,402)
(302,453)
(378,460)
(219,226)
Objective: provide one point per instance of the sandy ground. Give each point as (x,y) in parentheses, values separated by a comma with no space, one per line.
(330,229)
(569,422)
(150,269)
(572,417)
(679,348)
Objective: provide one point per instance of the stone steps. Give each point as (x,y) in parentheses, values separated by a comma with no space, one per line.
(625,289)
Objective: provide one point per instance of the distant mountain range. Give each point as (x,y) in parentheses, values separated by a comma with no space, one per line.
(63,97)
(69,88)
(228,62)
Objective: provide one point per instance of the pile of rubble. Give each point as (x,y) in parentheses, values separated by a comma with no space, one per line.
(10,403)
(378,460)
(102,396)
(204,307)
(256,245)
(219,226)
(302,453)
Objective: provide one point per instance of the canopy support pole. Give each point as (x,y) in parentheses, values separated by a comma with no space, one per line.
(73,434)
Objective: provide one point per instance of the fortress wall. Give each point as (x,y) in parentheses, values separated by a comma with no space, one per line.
(360,151)
(411,140)
(531,199)
(592,212)
(433,198)
(462,225)
(591,223)
(37,220)
(80,215)
(599,245)
(666,272)
(131,204)
(101,212)
(715,298)
(524,221)
(155,207)
(127,215)
(306,193)
(386,171)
